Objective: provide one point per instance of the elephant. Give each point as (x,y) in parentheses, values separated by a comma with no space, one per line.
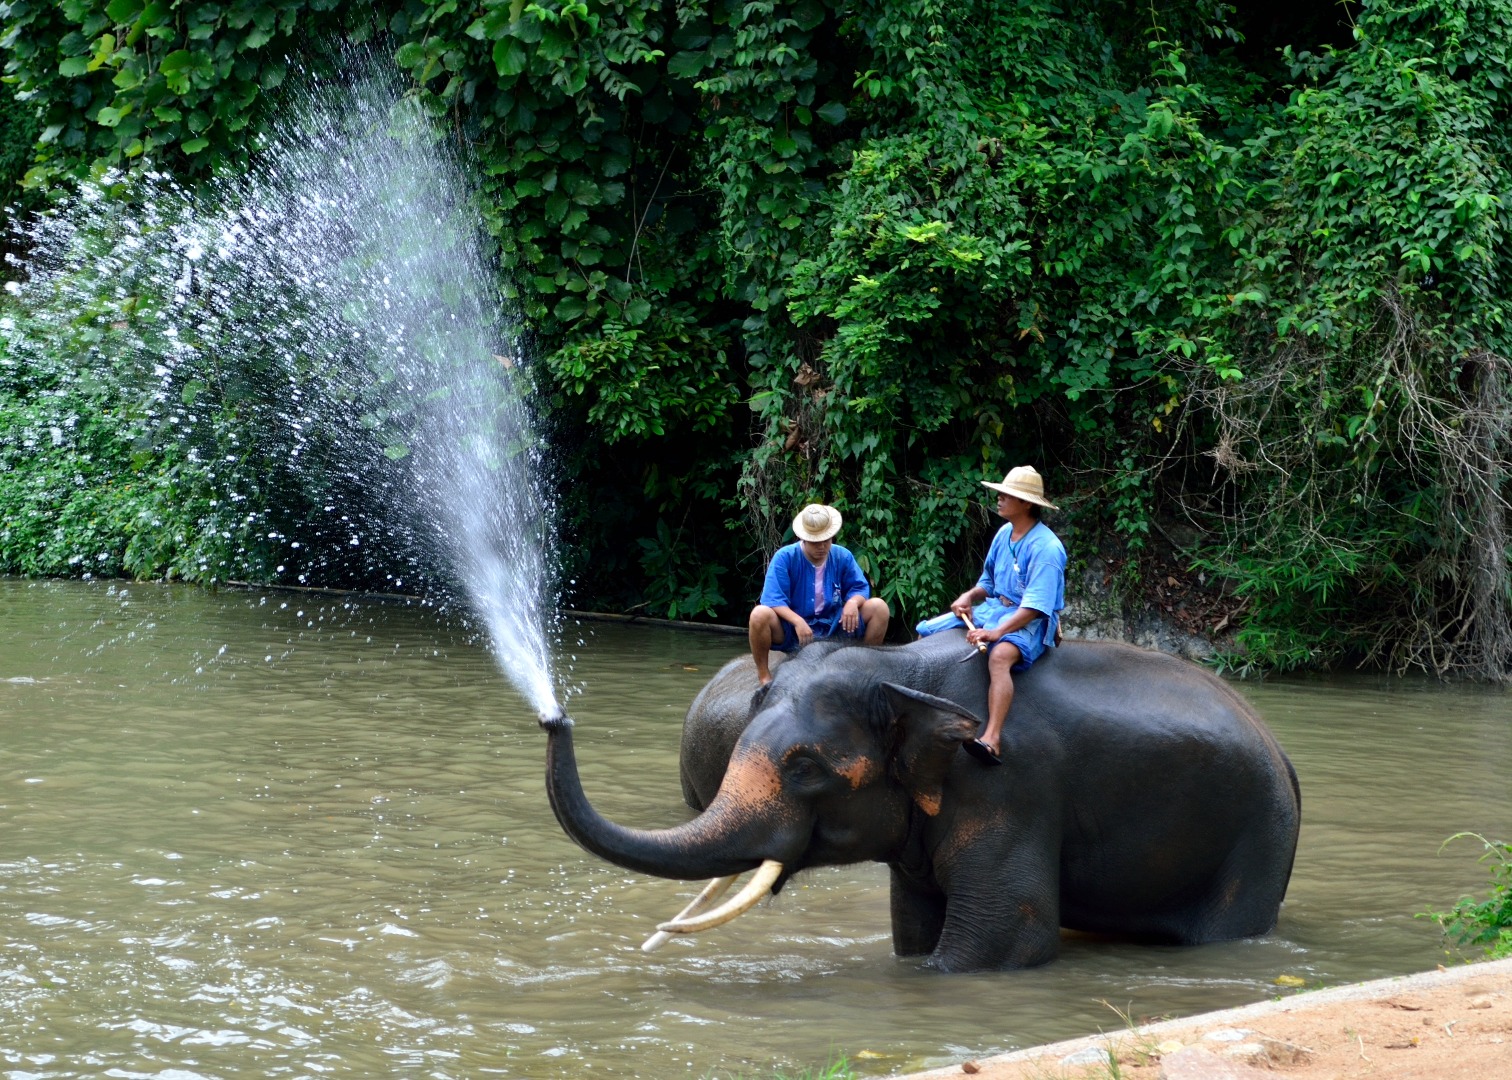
(1140,797)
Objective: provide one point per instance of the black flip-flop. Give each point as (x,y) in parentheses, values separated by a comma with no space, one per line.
(981,751)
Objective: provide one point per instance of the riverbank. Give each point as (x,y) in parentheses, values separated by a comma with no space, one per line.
(1449,1024)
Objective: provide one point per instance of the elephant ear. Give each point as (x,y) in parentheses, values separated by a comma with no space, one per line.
(928,732)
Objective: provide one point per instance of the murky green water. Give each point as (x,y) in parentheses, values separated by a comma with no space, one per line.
(273,835)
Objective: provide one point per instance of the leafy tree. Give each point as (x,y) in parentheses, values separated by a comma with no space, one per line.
(1201,264)
(99,482)
(155,81)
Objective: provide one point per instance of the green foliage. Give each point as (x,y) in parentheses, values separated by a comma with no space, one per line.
(664,373)
(587,142)
(986,250)
(150,81)
(677,582)
(1257,285)
(1366,423)
(169,370)
(1486,924)
(19,128)
(101,482)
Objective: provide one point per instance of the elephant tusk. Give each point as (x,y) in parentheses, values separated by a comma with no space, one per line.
(711,892)
(738,905)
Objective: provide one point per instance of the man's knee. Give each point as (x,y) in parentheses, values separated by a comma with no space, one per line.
(1001,660)
(875,610)
(764,618)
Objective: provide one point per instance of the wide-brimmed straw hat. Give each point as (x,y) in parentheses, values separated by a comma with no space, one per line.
(817,522)
(1023,483)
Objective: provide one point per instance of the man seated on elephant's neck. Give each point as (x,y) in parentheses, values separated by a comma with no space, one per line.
(1014,608)
(813,588)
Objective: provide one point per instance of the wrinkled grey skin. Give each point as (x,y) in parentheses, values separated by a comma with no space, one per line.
(1139,796)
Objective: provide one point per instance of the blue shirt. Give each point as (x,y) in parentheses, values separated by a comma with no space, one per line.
(1028,573)
(790,583)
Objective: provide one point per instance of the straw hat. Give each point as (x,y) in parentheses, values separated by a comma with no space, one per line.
(1023,483)
(817,522)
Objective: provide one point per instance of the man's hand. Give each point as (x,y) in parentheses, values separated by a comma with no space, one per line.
(804,632)
(978,636)
(850,615)
(962,605)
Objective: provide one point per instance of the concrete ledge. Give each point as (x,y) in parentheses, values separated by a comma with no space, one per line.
(1242,1015)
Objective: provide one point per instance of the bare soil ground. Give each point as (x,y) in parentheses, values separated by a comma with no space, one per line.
(1450,1024)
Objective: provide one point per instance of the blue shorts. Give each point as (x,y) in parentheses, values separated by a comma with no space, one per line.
(1030,641)
(821,631)
(988,614)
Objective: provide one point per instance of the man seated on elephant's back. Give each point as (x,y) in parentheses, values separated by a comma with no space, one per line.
(1014,608)
(813,588)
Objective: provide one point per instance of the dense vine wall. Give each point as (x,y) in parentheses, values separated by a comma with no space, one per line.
(1229,268)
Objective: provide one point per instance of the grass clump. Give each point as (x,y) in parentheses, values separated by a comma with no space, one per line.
(1482,924)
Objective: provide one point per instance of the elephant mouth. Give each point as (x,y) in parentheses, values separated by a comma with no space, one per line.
(701,915)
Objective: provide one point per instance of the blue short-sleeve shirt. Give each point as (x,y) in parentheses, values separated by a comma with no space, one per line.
(790,583)
(1030,572)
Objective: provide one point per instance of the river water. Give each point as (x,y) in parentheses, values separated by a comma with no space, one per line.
(287,835)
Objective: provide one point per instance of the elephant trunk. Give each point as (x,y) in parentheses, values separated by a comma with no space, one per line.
(728,838)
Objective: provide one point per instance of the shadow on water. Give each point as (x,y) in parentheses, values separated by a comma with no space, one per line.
(276,835)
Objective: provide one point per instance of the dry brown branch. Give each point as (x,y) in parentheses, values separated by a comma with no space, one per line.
(1319,427)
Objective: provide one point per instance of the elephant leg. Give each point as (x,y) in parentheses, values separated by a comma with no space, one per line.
(1241,902)
(918,914)
(1002,911)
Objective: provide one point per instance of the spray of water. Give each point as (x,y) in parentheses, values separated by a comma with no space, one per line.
(335,299)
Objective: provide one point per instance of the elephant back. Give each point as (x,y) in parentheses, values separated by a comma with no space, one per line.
(1083,680)
(1103,704)
(948,666)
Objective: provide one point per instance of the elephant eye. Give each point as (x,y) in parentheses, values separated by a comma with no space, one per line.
(805,770)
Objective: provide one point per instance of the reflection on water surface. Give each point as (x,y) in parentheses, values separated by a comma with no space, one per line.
(289,835)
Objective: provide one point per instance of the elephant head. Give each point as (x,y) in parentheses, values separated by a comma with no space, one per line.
(832,772)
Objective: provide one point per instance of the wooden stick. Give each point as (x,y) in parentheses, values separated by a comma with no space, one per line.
(981,646)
